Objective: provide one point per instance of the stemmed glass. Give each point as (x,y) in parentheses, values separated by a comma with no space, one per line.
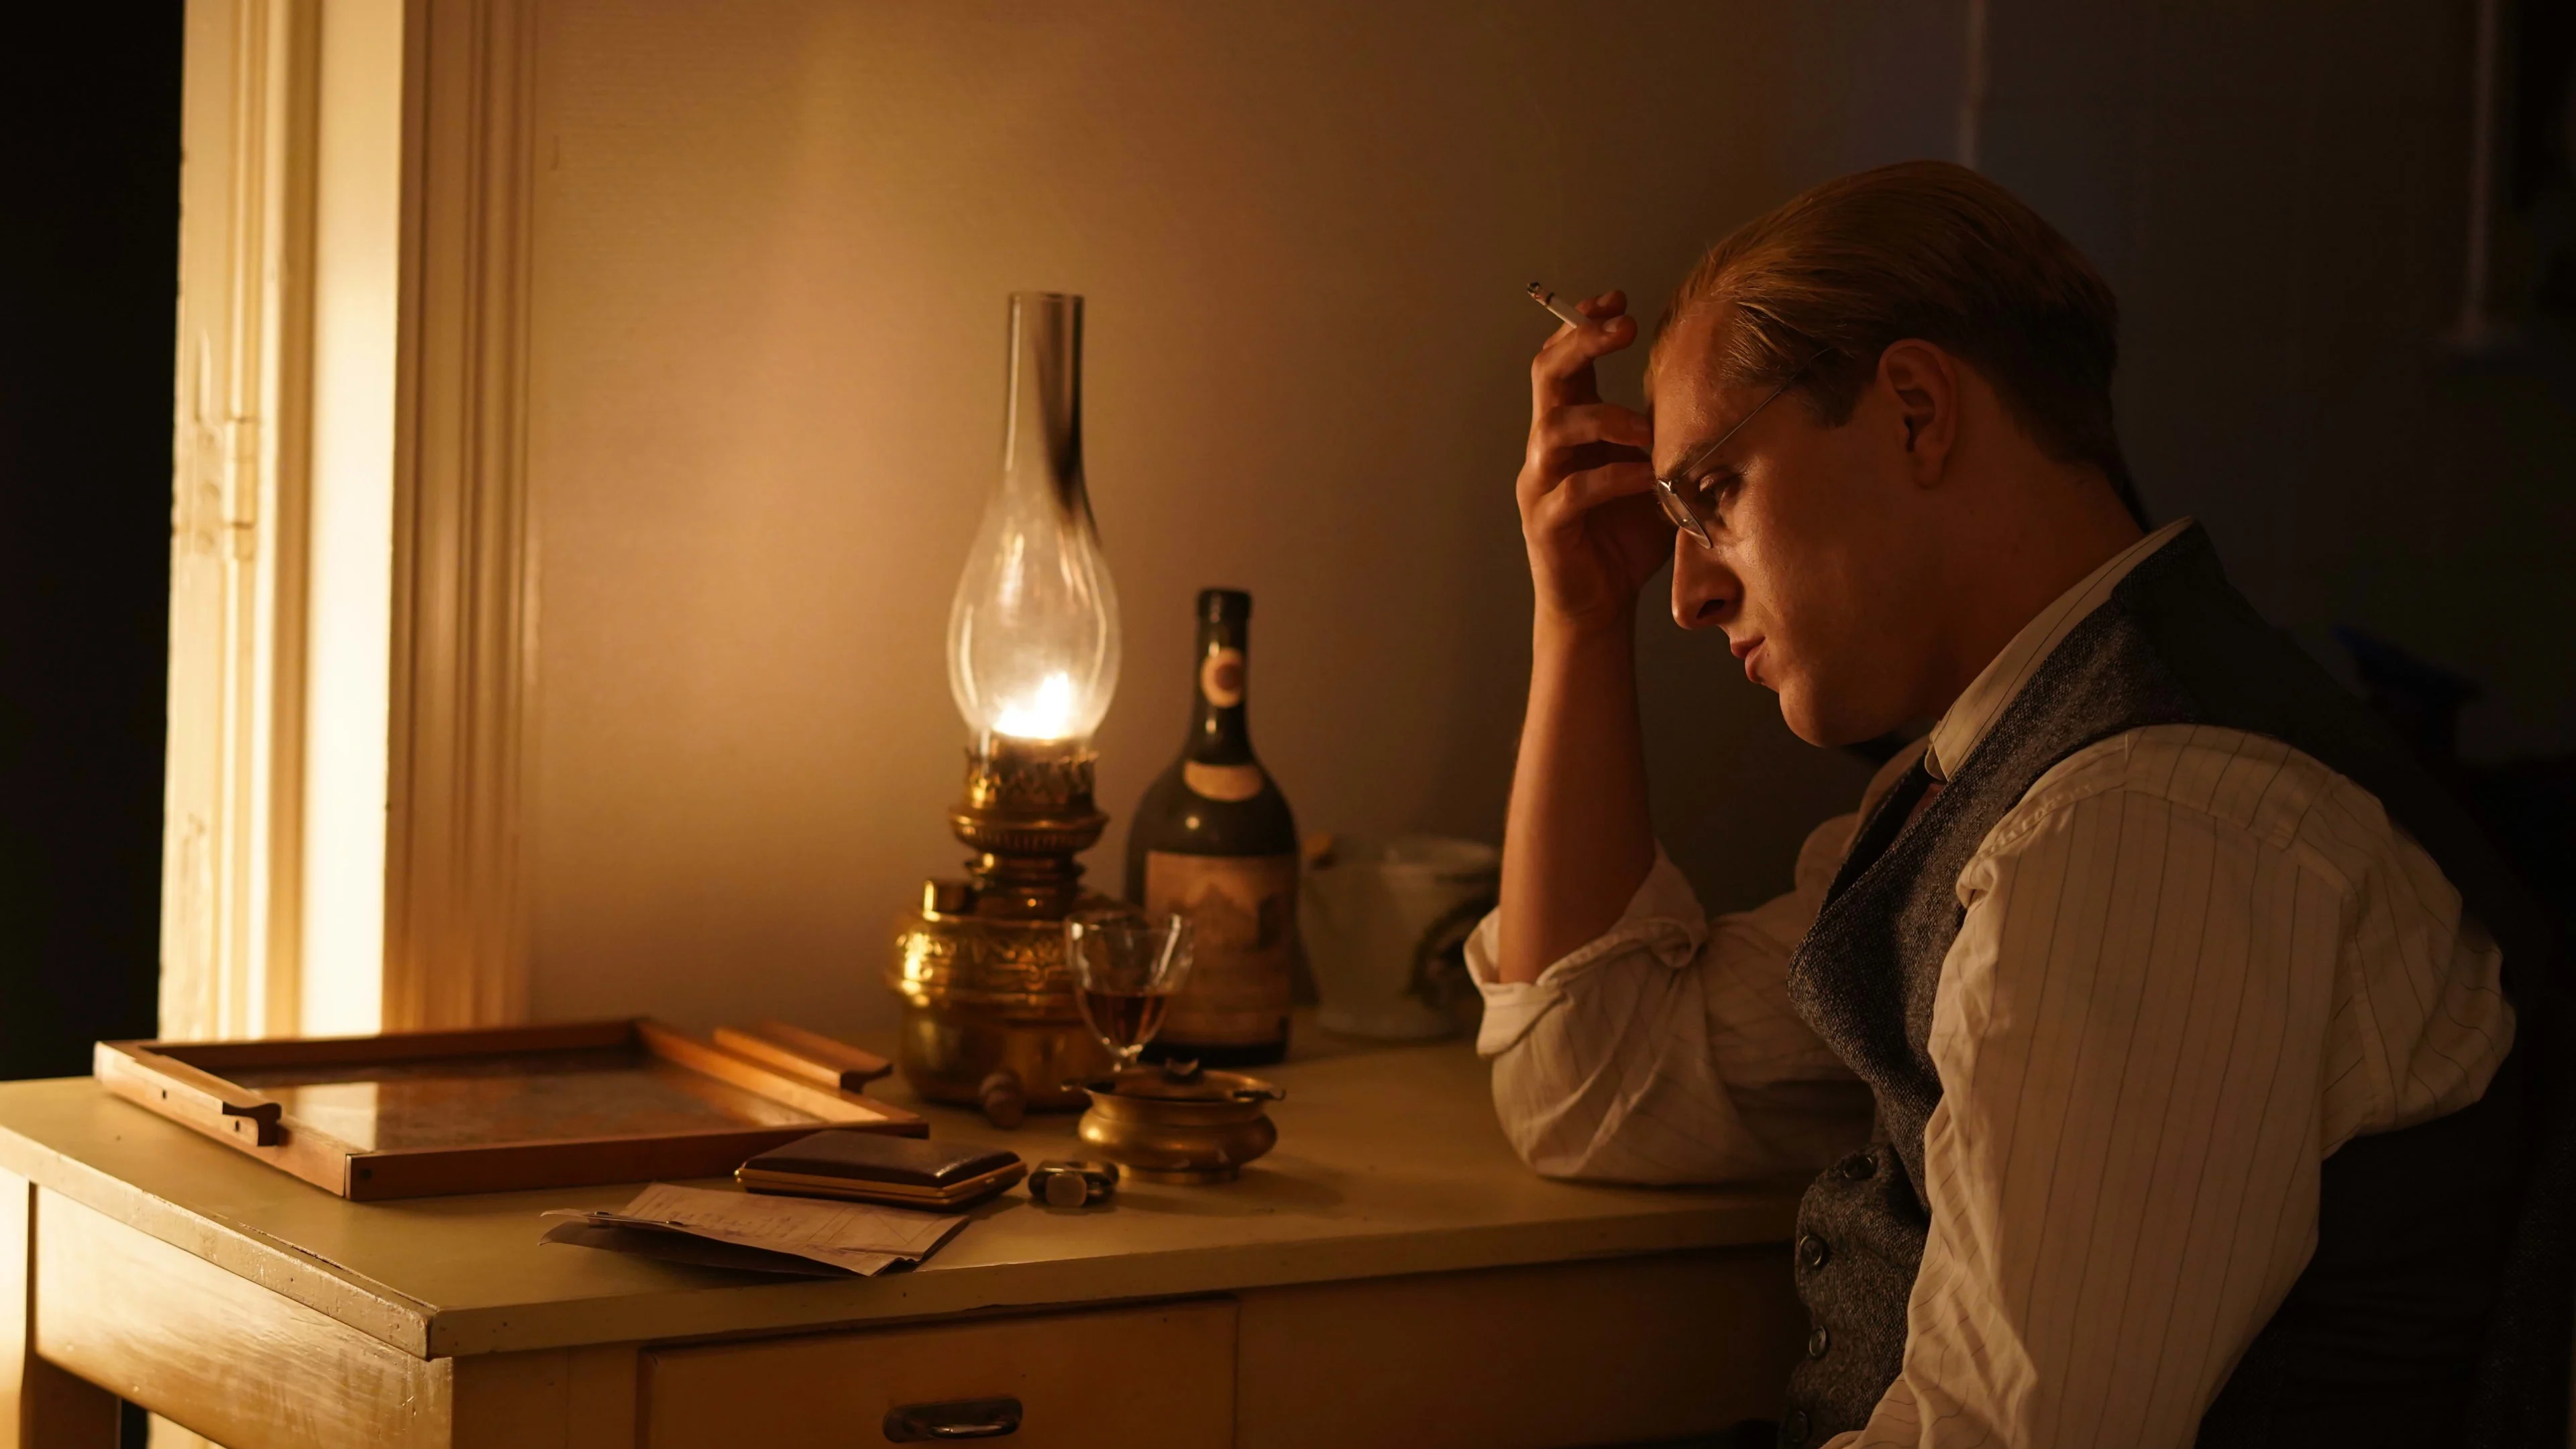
(1125,968)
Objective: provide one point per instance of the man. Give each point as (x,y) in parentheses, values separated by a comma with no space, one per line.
(2148,1019)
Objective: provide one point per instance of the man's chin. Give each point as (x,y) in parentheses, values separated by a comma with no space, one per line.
(1820,724)
(1798,712)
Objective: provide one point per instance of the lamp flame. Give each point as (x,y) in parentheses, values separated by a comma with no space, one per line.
(1046,714)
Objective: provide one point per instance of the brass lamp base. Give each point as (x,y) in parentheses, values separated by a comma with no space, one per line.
(989,1018)
(986,998)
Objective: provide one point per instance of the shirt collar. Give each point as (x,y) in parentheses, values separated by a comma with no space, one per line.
(1974,712)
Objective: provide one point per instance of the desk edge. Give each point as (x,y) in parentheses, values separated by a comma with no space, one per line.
(349,1297)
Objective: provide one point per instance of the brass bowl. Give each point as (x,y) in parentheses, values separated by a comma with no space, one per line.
(1166,1128)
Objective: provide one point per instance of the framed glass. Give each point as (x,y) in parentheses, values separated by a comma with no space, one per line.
(1669,490)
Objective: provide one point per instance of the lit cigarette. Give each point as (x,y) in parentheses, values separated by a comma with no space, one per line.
(1564,310)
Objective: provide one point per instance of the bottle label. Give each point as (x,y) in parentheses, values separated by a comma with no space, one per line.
(1221,677)
(1245,911)
(1221,782)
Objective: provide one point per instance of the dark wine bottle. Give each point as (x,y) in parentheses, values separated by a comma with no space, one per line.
(1212,839)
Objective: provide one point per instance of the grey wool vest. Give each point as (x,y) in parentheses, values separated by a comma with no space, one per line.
(2384,1337)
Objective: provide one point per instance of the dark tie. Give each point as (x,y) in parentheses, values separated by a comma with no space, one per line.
(1880,830)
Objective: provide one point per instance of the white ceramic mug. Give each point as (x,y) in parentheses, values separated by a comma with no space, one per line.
(1383,921)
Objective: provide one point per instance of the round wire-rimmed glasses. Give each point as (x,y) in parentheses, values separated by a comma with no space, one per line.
(1125,968)
(1668,490)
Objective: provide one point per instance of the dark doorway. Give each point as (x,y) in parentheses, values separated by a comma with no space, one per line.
(89,144)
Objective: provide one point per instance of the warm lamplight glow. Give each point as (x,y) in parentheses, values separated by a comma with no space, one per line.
(1033,634)
(1046,714)
(1036,662)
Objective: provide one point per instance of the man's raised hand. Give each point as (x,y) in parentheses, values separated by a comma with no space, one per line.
(1593,533)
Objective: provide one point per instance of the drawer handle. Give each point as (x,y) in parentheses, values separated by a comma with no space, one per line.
(956,1419)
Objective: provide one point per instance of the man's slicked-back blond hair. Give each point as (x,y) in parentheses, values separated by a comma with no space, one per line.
(1926,250)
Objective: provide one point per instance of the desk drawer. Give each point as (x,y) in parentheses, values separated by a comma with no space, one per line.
(1120,1376)
(1602,1351)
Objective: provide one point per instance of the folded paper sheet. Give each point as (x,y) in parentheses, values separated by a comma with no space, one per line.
(851,1237)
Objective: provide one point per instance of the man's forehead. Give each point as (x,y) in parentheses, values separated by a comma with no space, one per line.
(1690,407)
(1686,355)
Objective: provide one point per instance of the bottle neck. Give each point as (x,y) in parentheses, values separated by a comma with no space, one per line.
(1219,731)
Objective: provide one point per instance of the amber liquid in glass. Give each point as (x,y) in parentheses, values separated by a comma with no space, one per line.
(1125,1020)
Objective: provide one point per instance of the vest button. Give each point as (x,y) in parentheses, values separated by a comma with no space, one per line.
(1859,1167)
(1818,1342)
(1812,1251)
(1793,1429)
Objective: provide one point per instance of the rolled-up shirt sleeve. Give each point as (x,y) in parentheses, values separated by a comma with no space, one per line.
(1665,1050)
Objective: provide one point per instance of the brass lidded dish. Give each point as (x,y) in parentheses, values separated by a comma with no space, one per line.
(1164,1126)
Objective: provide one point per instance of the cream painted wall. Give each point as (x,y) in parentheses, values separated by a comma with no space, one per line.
(772,246)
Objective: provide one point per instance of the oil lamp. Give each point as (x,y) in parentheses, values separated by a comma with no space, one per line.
(989,1015)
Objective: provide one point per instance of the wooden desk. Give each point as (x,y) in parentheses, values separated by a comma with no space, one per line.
(1389,1275)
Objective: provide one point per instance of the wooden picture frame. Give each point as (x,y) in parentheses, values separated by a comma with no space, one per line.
(748,1106)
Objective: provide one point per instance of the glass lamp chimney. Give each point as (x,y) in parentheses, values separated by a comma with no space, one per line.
(1033,632)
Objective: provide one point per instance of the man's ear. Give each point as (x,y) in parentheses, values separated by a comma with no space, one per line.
(1923,380)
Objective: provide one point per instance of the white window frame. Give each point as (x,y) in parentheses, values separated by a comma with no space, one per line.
(352,583)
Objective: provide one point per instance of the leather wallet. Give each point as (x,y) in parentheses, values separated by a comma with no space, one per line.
(871,1167)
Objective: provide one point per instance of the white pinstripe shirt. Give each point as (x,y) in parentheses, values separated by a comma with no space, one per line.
(2194,963)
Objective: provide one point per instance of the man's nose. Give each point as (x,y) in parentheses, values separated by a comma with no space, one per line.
(1705,590)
